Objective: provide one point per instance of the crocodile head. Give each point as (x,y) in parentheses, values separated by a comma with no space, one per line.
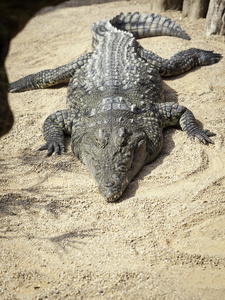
(113,157)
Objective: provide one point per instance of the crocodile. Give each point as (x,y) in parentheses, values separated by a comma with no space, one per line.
(115,108)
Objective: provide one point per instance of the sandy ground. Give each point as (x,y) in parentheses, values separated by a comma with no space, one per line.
(59,239)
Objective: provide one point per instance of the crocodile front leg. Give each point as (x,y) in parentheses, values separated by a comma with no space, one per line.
(49,77)
(175,114)
(54,128)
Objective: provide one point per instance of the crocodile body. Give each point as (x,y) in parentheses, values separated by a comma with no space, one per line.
(115,109)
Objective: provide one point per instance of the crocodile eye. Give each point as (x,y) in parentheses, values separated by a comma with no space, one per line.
(121,141)
(98,142)
(121,137)
(140,143)
(102,138)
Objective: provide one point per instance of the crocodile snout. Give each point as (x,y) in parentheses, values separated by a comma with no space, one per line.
(111,190)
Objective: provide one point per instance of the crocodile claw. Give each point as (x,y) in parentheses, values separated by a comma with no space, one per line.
(202,135)
(207,57)
(52,147)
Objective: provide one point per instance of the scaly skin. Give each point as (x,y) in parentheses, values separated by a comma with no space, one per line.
(115,110)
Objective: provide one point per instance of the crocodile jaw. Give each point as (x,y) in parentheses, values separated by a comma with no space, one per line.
(112,197)
(112,194)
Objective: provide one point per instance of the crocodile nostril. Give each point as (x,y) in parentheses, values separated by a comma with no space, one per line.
(110,183)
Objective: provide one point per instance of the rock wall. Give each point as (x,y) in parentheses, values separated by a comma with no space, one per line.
(160,5)
(13,17)
(212,10)
(195,9)
(215,20)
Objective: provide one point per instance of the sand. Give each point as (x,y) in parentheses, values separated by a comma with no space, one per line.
(59,238)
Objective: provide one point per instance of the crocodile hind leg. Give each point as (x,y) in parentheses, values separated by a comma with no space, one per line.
(54,128)
(49,77)
(181,61)
(174,114)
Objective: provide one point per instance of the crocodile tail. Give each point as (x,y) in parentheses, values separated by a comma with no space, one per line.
(147,25)
(100,28)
